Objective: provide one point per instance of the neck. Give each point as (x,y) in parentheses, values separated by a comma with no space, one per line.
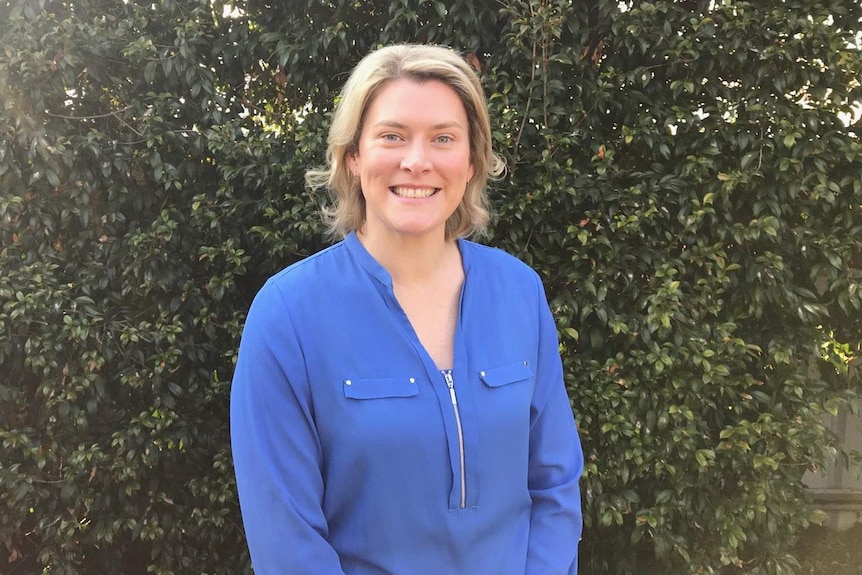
(412,259)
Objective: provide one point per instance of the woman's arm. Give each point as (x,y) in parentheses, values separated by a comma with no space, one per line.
(556,462)
(276,449)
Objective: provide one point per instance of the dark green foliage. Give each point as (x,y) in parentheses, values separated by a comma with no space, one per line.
(682,174)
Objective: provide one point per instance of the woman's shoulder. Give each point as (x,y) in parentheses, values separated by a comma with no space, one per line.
(310,269)
(305,277)
(495,260)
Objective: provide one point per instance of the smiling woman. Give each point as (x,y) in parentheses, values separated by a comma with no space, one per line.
(412,161)
(398,404)
(423,64)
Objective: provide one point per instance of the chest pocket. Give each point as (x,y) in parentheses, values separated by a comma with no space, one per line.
(506,374)
(380,388)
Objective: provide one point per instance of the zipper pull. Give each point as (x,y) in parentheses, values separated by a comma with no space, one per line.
(450,383)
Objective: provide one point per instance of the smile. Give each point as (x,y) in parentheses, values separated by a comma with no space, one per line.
(402,192)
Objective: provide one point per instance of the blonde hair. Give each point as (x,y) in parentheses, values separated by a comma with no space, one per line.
(420,63)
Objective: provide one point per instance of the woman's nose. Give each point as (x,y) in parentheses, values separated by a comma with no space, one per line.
(416,158)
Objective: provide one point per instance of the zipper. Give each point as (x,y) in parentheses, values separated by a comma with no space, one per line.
(450,383)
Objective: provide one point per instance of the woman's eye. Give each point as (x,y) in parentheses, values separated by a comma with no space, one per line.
(444,139)
(390,137)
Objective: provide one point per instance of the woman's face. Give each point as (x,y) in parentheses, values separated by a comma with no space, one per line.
(413,159)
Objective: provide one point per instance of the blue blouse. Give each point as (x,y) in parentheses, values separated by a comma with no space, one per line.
(355,455)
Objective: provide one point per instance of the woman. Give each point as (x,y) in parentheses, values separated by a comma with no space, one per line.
(398,405)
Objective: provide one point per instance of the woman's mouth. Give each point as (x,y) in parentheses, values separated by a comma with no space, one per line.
(403,192)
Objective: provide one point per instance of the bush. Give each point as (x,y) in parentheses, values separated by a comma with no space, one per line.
(684,175)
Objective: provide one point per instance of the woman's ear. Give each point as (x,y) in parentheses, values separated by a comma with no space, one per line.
(352,162)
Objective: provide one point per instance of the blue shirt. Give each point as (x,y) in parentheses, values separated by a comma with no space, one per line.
(355,455)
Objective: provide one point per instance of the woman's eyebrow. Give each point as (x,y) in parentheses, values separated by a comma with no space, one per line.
(400,126)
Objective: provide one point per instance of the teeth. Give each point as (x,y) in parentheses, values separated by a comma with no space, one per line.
(414,192)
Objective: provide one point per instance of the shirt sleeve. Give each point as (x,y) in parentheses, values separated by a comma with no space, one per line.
(556,462)
(276,449)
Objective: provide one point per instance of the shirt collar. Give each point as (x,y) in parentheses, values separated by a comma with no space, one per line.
(377,271)
(366,260)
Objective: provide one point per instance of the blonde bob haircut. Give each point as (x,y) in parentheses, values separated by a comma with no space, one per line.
(420,63)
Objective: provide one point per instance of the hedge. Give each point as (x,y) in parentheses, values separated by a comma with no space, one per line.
(685,175)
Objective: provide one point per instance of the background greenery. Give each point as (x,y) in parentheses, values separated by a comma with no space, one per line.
(680,173)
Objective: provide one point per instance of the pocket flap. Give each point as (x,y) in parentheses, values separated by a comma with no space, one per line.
(506,374)
(380,388)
